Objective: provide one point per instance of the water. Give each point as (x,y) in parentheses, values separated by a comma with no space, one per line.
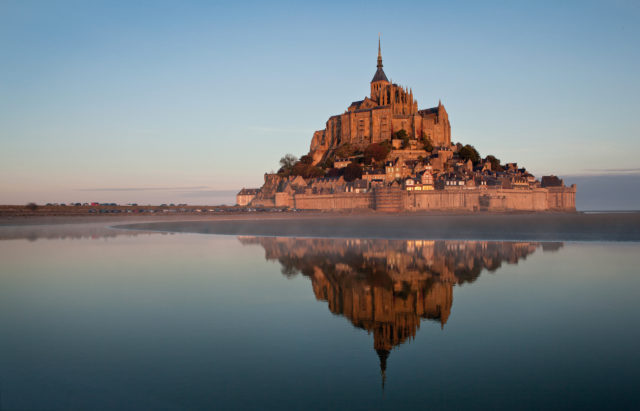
(124,320)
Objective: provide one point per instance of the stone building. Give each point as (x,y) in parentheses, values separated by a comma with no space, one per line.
(389,108)
(246,195)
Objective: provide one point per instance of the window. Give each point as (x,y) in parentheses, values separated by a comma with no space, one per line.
(361,127)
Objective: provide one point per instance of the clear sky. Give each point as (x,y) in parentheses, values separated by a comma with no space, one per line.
(149,100)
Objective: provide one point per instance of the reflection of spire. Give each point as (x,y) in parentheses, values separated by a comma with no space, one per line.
(388,287)
(383,355)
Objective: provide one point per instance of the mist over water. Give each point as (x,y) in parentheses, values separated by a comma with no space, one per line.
(117,319)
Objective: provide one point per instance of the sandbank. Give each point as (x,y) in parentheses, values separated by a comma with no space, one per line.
(530,227)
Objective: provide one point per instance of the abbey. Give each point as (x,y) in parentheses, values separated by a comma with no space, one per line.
(388,109)
(384,154)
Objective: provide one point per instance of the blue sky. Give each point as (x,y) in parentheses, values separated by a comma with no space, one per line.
(177,99)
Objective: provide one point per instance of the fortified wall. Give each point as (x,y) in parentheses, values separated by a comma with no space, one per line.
(396,199)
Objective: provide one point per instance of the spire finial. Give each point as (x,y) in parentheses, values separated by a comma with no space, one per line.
(383,355)
(379,52)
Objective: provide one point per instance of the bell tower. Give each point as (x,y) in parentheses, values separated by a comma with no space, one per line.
(379,80)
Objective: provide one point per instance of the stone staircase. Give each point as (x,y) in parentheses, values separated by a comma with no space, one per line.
(388,199)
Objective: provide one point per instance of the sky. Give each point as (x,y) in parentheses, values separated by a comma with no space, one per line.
(153,101)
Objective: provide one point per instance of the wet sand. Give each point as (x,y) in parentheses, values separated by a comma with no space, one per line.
(540,227)
(526,226)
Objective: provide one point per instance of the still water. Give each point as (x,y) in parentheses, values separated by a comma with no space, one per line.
(111,319)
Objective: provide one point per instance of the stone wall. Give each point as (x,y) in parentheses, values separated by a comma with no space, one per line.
(283,200)
(338,201)
(389,199)
(442,200)
(266,196)
(540,199)
(244,199)
(395,199)
(530,200)
(561,197)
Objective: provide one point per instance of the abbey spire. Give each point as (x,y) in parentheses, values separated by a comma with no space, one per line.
(379,76)
(379,54)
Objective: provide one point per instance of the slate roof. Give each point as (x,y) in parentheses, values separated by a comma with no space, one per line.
(426,111)
(380,76)
(249,191)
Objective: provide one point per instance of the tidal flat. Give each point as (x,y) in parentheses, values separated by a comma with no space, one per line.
(489,226)
(321,312)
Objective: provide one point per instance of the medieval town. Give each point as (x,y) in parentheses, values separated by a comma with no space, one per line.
(385,154)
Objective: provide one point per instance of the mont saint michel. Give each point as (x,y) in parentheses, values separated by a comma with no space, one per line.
(417,241)
(385,153)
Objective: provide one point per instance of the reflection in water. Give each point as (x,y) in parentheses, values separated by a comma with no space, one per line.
(67,232)
(387,286)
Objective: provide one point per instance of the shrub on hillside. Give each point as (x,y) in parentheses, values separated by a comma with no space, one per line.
(344,151)
(376,152)
(469,152)
(352,172)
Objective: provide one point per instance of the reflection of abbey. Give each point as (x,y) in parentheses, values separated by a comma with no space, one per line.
(388,286)
(384,153)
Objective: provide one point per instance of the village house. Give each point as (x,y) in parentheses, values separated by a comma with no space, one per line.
(246,195)
(357,186)
(342,162)
(371,175)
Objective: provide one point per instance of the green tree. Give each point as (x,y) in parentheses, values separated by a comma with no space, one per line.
(327,163)
(428,146)
(287,162)
(469,152)
(306,170)
(352,172)
(495,163)
(315,172)
(333,172)
(401,134)
(376,152)
(306,159)
(344,151)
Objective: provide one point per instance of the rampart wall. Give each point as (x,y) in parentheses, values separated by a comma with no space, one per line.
(393,200)
(339,201)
